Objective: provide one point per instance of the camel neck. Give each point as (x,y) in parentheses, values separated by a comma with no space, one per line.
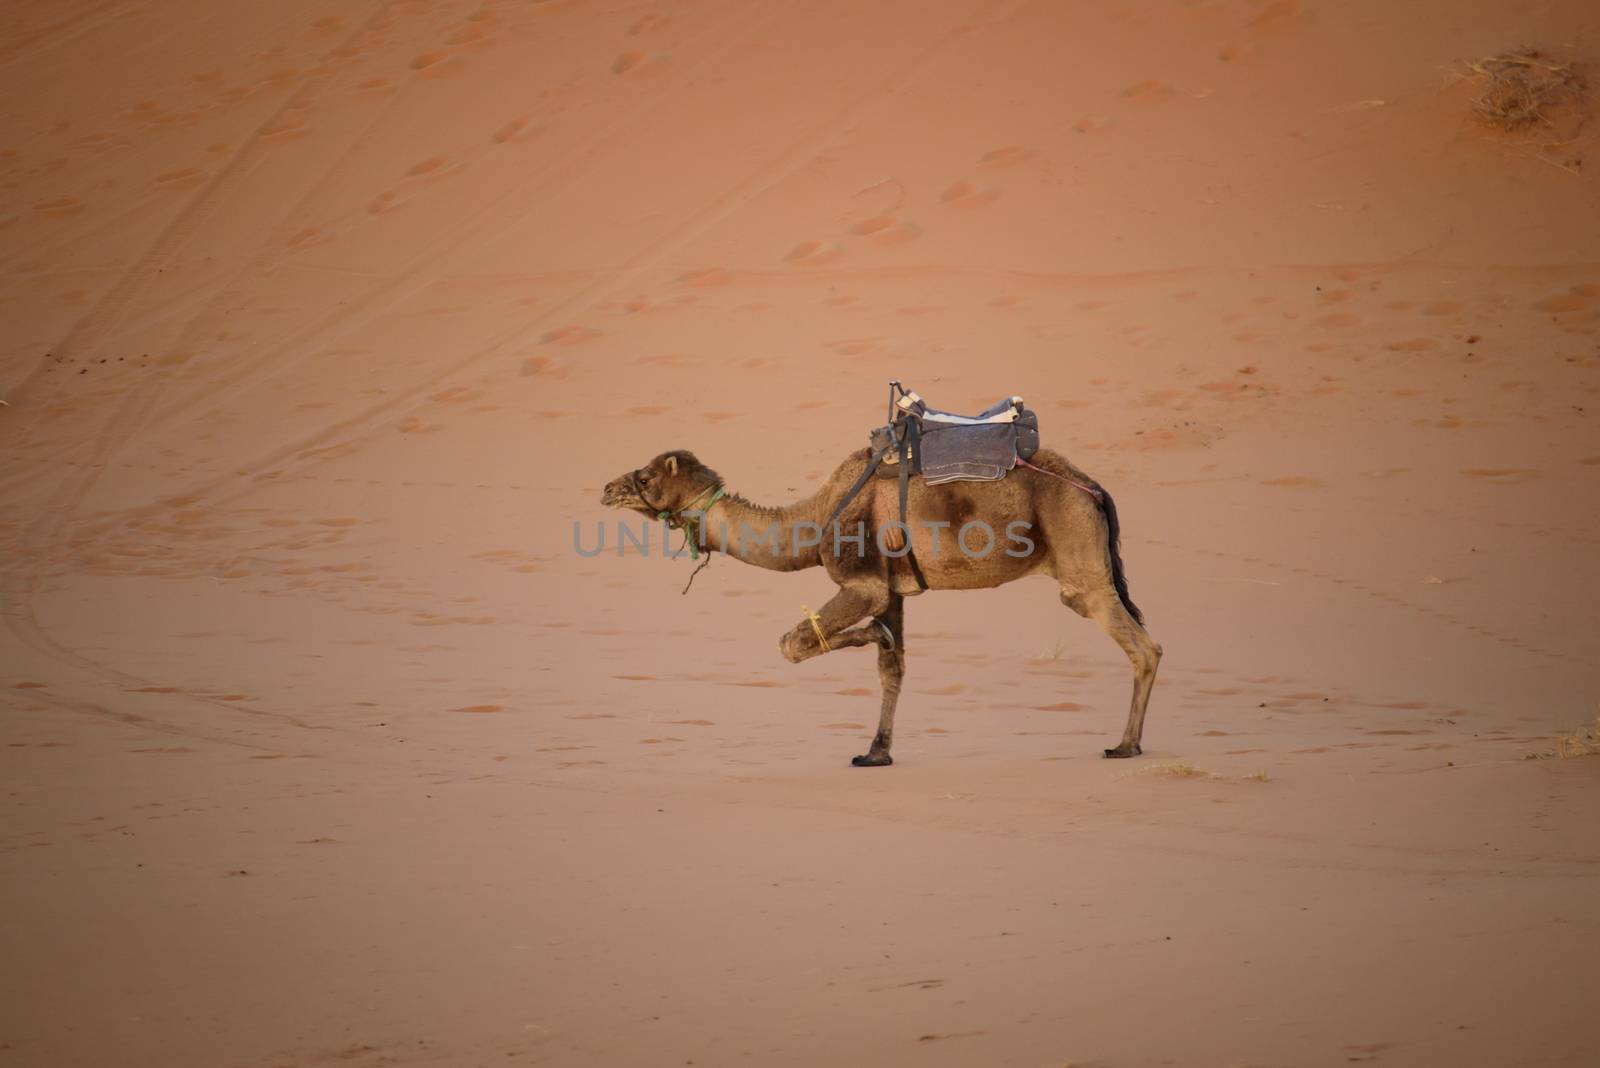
(777,539)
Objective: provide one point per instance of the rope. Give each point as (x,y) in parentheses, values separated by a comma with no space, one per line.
(1093,491)
(689,525)
(816,625)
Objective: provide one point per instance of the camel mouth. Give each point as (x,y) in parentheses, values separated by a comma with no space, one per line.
(621,493)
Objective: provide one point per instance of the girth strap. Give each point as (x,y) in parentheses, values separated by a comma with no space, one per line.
(910,442)
(906,441)
(850,494)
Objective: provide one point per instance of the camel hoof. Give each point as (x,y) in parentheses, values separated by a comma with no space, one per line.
(1122,752)
(872,760)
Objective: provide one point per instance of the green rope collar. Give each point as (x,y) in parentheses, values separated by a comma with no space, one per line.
(690,537)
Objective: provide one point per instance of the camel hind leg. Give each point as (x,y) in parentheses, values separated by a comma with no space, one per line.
(1105,607)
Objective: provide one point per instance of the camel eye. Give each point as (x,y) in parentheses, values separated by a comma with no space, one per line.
(644,477)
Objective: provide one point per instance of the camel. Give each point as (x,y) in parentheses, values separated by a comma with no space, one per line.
(1070,531)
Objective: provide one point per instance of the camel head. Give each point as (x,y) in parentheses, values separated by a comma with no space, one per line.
(671,482)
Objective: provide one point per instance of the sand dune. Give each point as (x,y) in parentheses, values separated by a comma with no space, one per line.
(325,325)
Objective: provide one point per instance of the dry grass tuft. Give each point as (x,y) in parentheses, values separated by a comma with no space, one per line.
(1259,776)
(1585,741)
(1177,769)
(1523,88)
(1055,652)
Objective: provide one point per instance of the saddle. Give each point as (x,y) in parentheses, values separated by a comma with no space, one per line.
(946,447)
(943,447)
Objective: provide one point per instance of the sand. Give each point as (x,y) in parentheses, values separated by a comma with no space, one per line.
(324,325)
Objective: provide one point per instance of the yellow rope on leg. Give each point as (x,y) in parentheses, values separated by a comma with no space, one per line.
(816,625)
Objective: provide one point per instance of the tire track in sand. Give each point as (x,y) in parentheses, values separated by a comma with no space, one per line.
(743,192)
(20,580)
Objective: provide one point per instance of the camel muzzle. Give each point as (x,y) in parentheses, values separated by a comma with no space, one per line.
(621,493)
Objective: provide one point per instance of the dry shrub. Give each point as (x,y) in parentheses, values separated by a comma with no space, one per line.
(1177,769)
(1585,741)
(1523,89)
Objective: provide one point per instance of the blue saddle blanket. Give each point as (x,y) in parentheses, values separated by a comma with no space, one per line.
(979,453)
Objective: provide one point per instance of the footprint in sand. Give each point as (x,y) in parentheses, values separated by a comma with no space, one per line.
(544,366)
(886,230)
(60,208)
(648,24)
(183,178)
(285,128)
(434,165)
(324,27)
(706,277)
(1504,476)
(310,237)
(385,201)
(1416,344)
(467,36)
(480,709)
(1575,299)
(634,63)
(812,253)
(1148,92)
(569,335)
(1335,320)
(1059,706)
(873,225)
(456,395)
(515,130)
(1279,12)
(1009,156)
(965,194)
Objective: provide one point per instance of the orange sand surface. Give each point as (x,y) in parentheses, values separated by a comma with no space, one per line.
(323,324)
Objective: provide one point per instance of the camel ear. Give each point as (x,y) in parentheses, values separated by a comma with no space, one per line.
(672,464)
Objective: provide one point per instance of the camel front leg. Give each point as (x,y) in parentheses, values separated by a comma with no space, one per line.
(891,672)
(843,609)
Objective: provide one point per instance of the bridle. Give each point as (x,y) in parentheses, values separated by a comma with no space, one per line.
(694,511)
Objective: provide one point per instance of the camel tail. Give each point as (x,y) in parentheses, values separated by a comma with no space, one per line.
(1113,540)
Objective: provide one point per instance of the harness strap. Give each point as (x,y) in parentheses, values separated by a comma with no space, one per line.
(850,494)
(907,433)
(1093,491)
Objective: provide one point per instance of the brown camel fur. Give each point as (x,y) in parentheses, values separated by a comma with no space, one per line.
(1071,536)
